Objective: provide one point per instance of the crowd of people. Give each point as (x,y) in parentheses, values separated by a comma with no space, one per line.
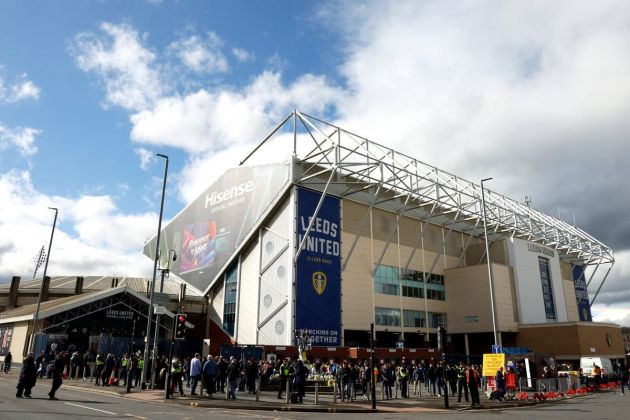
(225,376)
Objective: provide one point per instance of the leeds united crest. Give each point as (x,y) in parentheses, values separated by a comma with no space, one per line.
(319,282)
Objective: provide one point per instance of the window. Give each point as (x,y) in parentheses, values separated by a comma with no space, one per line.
(471,319)
(414,319)
(387,317)
(386,280)
(392,281)
(547,288)
(229,303)
(437,320)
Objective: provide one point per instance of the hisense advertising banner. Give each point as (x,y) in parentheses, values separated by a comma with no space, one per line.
(208,231)
(581,294)
(318,271)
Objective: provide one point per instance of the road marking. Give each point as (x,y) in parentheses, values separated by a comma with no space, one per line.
(136,417)
(90,408)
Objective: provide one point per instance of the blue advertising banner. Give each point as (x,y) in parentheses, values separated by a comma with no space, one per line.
(581,294)
(318,271)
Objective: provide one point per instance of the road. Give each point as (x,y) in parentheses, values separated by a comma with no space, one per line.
(78,404)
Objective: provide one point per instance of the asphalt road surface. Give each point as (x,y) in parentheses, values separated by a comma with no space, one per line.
(75,404)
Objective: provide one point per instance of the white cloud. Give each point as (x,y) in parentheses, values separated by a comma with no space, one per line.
(20,138)
(123,64)
(242,55)
(92,237)
(201,55)
(21,90)
(146,157)
(213,120)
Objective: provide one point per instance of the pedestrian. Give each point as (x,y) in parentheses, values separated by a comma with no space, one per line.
(138,369)
(222,366)
(251,374)
(7,362)
(499,381)
(177,377)
(132,364)
(195,373)
(283,372)
(110,364)
(233,376)
(472,380)
(100,365)
(625,378)
(40,364)
(299,380)
(28,376)
(209,371)
(57,374)
(461,382)
(387,376)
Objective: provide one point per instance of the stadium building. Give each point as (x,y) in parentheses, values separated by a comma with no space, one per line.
(340,234)
(345,232)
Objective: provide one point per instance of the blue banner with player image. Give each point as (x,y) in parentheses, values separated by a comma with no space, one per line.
(318,271)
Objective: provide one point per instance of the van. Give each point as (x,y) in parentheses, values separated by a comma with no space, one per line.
(587,364)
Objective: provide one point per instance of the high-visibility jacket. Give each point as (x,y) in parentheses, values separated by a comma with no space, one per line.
(177,368)
(100,360)
(140,363)
(123,362)
(461,372)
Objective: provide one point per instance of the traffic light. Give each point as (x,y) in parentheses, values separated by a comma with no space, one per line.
(180,326)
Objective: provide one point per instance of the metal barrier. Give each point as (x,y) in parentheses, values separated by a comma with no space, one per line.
(562,384)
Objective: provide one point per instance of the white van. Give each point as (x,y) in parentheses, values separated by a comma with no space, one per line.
(587,364)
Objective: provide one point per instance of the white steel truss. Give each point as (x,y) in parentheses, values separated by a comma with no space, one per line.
(338,162)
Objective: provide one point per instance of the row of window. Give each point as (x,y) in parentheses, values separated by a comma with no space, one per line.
(390,317)
(390,280)
(229,302)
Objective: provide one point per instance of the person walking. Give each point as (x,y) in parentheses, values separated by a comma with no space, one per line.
(28,376)
(57,374)
(195,373)
(7,362)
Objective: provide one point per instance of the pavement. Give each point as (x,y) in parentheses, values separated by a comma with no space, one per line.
(268,401)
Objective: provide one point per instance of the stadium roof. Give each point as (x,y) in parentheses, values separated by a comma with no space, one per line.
(66,284)
(336,161)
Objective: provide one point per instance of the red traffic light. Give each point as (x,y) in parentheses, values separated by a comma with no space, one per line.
(182,318)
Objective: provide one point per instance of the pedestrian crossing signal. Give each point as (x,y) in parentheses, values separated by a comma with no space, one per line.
(180,326)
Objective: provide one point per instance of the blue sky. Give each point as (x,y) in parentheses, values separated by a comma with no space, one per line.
(534,94)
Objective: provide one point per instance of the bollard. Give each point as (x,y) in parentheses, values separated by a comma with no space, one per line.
(335,392)
(257,389)
(316,393)
(288,396)
(227,390)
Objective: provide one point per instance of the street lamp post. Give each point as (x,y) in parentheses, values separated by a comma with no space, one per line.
(172,255)
(147,337)
(31,346)
(490,278)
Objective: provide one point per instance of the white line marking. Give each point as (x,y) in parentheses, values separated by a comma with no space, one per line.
(90,408)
